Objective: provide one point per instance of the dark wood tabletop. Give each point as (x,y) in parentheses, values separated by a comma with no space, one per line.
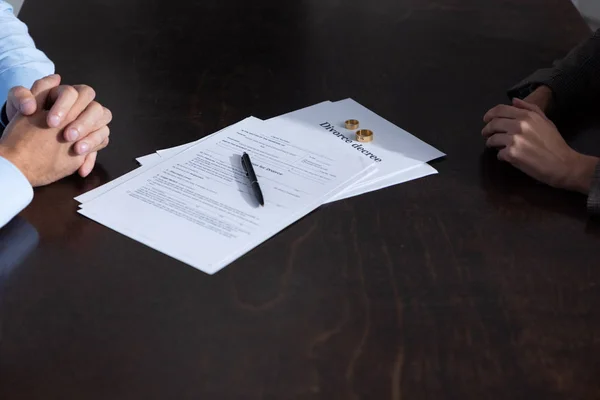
(477,283)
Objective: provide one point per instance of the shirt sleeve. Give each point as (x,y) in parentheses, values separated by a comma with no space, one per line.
(15,191)
(17,240)
(574,80)
(21,63)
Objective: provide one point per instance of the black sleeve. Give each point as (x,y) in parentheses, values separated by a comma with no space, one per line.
(574,80)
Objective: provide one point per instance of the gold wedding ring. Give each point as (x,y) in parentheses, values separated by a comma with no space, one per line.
(364,135)
(351,124)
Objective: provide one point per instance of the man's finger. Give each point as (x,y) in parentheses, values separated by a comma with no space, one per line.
(503,155)
(90,160)
(103,144)
(528,106)
(511,154)
(501,125)
(500,140)
(20,100)
(62,99)
(93,118)
(88,164)
(93,142)
(504,111)
(86,94)
(41,89)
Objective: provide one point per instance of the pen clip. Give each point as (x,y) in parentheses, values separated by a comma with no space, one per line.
(244,166)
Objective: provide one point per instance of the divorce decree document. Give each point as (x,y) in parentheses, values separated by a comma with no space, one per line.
(198,206)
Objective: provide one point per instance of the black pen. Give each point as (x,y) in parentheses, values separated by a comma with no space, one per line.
(247,164)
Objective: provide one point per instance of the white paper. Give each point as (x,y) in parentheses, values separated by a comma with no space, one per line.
(394,149)
(420,171)
(100,190)
(149,159)
(417,172)
(344,109)
(197,206)
(170,152)
(146,161)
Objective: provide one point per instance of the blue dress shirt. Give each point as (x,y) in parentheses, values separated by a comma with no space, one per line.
(21,64)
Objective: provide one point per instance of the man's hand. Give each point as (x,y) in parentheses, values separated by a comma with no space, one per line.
(39,152)
(89,129)
(530,141)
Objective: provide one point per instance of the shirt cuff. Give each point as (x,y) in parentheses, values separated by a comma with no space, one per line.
(593,201)
(16,193)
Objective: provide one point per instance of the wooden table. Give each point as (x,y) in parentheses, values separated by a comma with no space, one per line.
(476,283)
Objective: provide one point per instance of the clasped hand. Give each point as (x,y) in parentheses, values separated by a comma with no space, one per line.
(528,140)
(54,130)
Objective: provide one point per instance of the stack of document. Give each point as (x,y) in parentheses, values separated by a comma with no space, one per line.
(194,202)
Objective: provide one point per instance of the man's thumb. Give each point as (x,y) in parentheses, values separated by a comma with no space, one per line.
(20,100)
